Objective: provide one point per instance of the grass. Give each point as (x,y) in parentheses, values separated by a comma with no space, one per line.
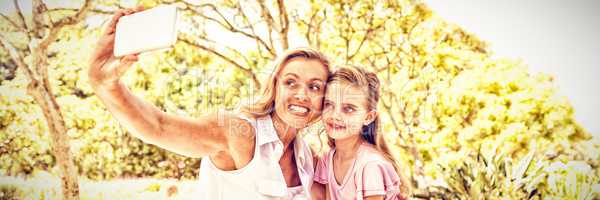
(46,186)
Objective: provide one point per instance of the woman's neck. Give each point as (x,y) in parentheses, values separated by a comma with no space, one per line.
(285,132)
(348,147)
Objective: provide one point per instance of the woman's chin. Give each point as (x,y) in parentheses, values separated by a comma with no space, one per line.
(297,122)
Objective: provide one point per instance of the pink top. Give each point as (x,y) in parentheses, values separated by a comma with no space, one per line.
(371,174)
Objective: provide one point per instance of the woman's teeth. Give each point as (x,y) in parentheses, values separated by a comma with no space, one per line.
(298,109)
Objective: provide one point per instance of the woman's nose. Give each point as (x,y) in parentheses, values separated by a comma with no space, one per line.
(301,94)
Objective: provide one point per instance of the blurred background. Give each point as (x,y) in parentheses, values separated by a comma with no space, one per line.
(552,37)
(479,99)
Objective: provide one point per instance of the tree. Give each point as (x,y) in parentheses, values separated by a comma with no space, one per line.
(39,35)
(446,104)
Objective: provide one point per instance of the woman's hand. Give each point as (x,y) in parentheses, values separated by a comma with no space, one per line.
(103,70)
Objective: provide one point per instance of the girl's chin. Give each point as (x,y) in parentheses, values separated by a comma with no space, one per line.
(337,135)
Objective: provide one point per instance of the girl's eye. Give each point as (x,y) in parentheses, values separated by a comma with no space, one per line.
(348,109)
(326,104)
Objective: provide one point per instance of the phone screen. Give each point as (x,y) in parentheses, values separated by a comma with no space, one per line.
(148,30)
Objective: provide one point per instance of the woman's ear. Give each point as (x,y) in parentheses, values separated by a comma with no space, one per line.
(371,116)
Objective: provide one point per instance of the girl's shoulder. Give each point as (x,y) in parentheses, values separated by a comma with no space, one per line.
(374,174)
(369,153)
(370,160)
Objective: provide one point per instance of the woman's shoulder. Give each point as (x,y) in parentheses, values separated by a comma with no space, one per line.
(239,127)
(243,115)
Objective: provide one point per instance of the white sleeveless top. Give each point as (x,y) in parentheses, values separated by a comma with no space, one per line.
(262,177)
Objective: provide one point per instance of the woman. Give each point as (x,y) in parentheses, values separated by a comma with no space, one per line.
(252,155)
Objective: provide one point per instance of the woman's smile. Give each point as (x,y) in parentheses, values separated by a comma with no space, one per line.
(298,110)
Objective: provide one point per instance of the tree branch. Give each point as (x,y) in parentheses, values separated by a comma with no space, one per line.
(38,9)
(229,26)
(346,33)
(232,28)
(225,58)
(18,59)
(13,23)
(388,110)
(20,14)
(309,26)
(22,20)
(57,26)
(97,11)
(285,22)
(268,18)
(252,29)
(235,51)
(319,29)
(368,32)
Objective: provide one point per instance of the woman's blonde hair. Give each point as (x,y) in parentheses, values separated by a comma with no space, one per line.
(265,104)
(359,77)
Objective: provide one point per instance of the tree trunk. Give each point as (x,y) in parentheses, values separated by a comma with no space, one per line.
(60,140)
(39,89)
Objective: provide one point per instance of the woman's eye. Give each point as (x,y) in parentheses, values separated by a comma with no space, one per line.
(326,104)
(290,82)
(315,87)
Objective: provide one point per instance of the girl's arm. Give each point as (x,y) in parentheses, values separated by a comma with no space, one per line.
(376,197)
(186,136)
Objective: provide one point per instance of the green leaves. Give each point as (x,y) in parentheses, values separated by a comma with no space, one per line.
(473,126)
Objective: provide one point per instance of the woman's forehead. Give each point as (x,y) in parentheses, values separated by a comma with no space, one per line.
(305,68)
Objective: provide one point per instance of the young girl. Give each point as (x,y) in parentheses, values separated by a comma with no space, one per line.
(359,165)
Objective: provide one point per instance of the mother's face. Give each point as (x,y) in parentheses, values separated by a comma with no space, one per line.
(300,88)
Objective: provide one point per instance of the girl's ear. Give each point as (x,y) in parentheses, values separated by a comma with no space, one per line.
(371,116)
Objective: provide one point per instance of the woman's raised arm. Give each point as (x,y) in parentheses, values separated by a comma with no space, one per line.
(194,137)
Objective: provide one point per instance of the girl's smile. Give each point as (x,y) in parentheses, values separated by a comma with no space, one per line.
(345,110)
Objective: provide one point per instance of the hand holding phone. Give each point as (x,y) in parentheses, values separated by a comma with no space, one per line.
(147,30)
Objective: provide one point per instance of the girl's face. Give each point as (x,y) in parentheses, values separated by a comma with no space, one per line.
(300,88)
(345,110)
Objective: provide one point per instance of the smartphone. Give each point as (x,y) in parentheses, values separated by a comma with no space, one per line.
(151,29)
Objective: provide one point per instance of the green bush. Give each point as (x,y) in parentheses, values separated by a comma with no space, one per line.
(8,192)
(462,123)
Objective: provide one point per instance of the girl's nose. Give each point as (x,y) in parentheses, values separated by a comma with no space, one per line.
(334,114)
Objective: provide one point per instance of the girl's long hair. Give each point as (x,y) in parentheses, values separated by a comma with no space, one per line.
(368,80)
(265,104)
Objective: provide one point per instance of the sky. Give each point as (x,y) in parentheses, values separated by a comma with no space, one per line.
(559,38)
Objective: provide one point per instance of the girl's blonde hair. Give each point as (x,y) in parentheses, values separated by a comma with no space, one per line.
(368,80)
(265,104)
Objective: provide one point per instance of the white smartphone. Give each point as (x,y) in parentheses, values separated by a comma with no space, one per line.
(151,29)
